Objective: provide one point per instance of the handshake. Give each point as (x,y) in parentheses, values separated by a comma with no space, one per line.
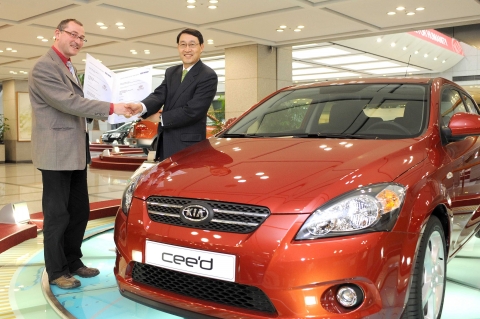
(127,109)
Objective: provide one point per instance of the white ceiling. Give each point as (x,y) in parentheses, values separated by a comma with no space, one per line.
(349,25)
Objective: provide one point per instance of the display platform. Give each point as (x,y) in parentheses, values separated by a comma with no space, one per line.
(25,292)
(116,157)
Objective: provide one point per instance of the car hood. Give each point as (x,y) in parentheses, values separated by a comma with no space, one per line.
(285,174)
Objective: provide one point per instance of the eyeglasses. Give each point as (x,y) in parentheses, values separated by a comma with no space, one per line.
(191,45)
(75,36)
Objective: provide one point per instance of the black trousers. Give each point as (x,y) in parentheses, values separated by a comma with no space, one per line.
(66,209)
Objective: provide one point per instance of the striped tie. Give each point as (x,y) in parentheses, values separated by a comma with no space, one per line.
(72,70)
(183,75)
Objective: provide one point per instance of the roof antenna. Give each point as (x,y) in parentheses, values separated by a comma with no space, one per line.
(406,70)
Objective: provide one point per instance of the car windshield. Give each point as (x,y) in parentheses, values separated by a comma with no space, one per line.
(372,111)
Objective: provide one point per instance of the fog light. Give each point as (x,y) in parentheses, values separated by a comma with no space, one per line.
(350,296)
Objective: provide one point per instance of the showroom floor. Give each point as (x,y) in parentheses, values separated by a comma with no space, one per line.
(21,267)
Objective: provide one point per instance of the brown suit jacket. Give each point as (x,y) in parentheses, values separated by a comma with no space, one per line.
(59,111)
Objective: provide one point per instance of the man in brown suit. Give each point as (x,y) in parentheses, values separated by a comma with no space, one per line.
(60,152)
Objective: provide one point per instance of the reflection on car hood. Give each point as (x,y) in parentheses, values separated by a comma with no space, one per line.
(288,175)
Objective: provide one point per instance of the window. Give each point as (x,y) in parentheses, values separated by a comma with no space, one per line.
(450,104)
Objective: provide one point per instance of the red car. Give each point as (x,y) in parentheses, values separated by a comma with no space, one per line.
(339,199)
(143,134)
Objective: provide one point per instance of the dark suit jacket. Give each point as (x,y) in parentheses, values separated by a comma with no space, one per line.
(185,106)
(59,111)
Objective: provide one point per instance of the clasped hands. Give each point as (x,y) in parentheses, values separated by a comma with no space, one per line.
(127,109)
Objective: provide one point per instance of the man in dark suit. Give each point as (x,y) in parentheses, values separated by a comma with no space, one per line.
(60,152)
(185,94)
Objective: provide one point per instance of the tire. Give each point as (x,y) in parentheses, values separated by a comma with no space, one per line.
(152,147)
(427,290)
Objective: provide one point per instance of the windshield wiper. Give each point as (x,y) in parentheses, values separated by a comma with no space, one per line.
(334,135)
(240,135)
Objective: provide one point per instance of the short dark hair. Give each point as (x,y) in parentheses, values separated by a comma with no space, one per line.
(193,32)
(64,23)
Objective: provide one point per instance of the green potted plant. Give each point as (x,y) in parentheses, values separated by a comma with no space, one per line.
(3,128)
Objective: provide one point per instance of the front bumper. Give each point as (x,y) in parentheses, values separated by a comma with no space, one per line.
(295,276)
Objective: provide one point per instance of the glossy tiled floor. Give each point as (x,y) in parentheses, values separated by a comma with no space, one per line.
(21,267)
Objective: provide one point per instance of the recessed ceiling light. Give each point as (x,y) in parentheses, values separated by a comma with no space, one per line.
(191,1)
(39,37)
(393,44)
(420,9)
(1,51)
(210,41)
(391,13)
(400,8)
(100,23)
(121,27)
(147,52)
(190,6)
(14,51)
(104,27)
(416,52)
(119,23)
(425,55)
(444,61)
(404,48)
(279,30)
(283,27)
(213,1)
(84,60)
(134,52)
(44,40)
(297,30)
(379,39)
(435,58)
(212,7)
(410,13)
(301,27)
(9,49)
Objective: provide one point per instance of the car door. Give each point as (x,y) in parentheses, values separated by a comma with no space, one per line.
(465,156)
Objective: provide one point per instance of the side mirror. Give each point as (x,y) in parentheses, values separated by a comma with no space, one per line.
(462,125)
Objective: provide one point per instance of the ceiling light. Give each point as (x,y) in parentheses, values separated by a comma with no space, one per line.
(190,6)
(283,27)
(212,7)
(121,27)
(379,39)
(213,1)
(425,55)
(391,13)
(393,44)
(191,1)
(410,13)
(1,51)
(346,59)
(14,51)
(404,48)
(435,58)
(300,65)
(9,49)
(312,71)
(134,52)
(103,27)
(279,30)
(84,60)
(39,37)
(444,61)
(210,41)
(301,27)
(420,9)
(44,40)
(100,23)
(371,65)
(400,8)
(297,30)
(391,70)
(320,52)
(147,52)
(416,52)
(119,23)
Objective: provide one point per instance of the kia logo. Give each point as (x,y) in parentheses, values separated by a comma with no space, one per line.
(196,214)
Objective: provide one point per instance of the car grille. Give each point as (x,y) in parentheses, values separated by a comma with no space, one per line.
(213,290)
(228,217)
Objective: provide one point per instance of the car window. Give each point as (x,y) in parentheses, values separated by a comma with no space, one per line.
(368,110)
(450,104)
(472,108)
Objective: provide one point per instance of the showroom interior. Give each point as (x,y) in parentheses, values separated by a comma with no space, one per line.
(256,47)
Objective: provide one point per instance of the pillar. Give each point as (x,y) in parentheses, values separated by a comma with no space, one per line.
(15,151)
(253,72)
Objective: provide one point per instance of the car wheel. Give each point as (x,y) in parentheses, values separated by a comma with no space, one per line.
(152,147)
(427,290)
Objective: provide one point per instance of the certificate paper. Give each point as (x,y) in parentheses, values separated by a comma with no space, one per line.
(104,85)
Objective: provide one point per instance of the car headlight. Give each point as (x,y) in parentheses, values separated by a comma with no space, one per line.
(128,193)
(115,135)
(367,209)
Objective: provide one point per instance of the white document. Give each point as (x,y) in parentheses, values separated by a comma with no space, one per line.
(104,85)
